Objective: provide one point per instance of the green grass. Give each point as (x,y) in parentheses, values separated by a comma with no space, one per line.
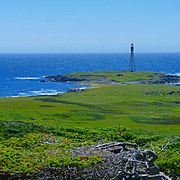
(132,106)
(125,76)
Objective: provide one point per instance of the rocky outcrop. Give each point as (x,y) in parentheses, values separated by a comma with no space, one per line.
(81,78)
(163,79)
(169,79)
(61,78)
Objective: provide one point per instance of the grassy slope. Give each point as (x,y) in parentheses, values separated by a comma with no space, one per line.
(127,105)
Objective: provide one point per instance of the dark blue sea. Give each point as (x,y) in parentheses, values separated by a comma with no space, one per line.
(20,73)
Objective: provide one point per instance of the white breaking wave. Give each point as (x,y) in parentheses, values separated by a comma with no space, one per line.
(41,92)
(27,78)
(176,74)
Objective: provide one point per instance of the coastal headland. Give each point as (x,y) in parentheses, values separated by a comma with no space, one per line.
(58,136)
(116,77)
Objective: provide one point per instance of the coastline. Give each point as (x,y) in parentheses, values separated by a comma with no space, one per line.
(87,80)
(42,94)
(23,76)
(116,78)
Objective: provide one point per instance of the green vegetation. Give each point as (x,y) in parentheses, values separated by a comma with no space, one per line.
(117,76)
(132,106)
(33,151)
(39,131)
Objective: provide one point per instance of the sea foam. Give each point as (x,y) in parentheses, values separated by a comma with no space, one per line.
(27,78)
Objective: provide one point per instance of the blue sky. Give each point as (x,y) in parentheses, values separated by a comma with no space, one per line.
(87,26)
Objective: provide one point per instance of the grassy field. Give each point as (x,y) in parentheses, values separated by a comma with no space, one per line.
(146,114)
(133,106)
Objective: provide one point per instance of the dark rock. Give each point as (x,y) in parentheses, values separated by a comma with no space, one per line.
(120,74)
(170,78)
(170,93)
(61,78)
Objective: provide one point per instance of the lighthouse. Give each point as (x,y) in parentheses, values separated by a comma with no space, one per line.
(132,67)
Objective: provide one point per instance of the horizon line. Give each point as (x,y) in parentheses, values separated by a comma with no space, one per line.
(9,53)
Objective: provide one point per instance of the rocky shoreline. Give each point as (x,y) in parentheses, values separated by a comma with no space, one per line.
(163,79)
(61,78)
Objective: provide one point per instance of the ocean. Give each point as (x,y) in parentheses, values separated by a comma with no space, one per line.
(20,74)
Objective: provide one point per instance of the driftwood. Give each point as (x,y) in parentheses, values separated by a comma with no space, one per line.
(134,163)
(122,161)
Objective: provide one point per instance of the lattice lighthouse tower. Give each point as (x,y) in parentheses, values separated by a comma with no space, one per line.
(132,67)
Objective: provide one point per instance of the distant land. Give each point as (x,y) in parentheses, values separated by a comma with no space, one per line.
(116,77)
